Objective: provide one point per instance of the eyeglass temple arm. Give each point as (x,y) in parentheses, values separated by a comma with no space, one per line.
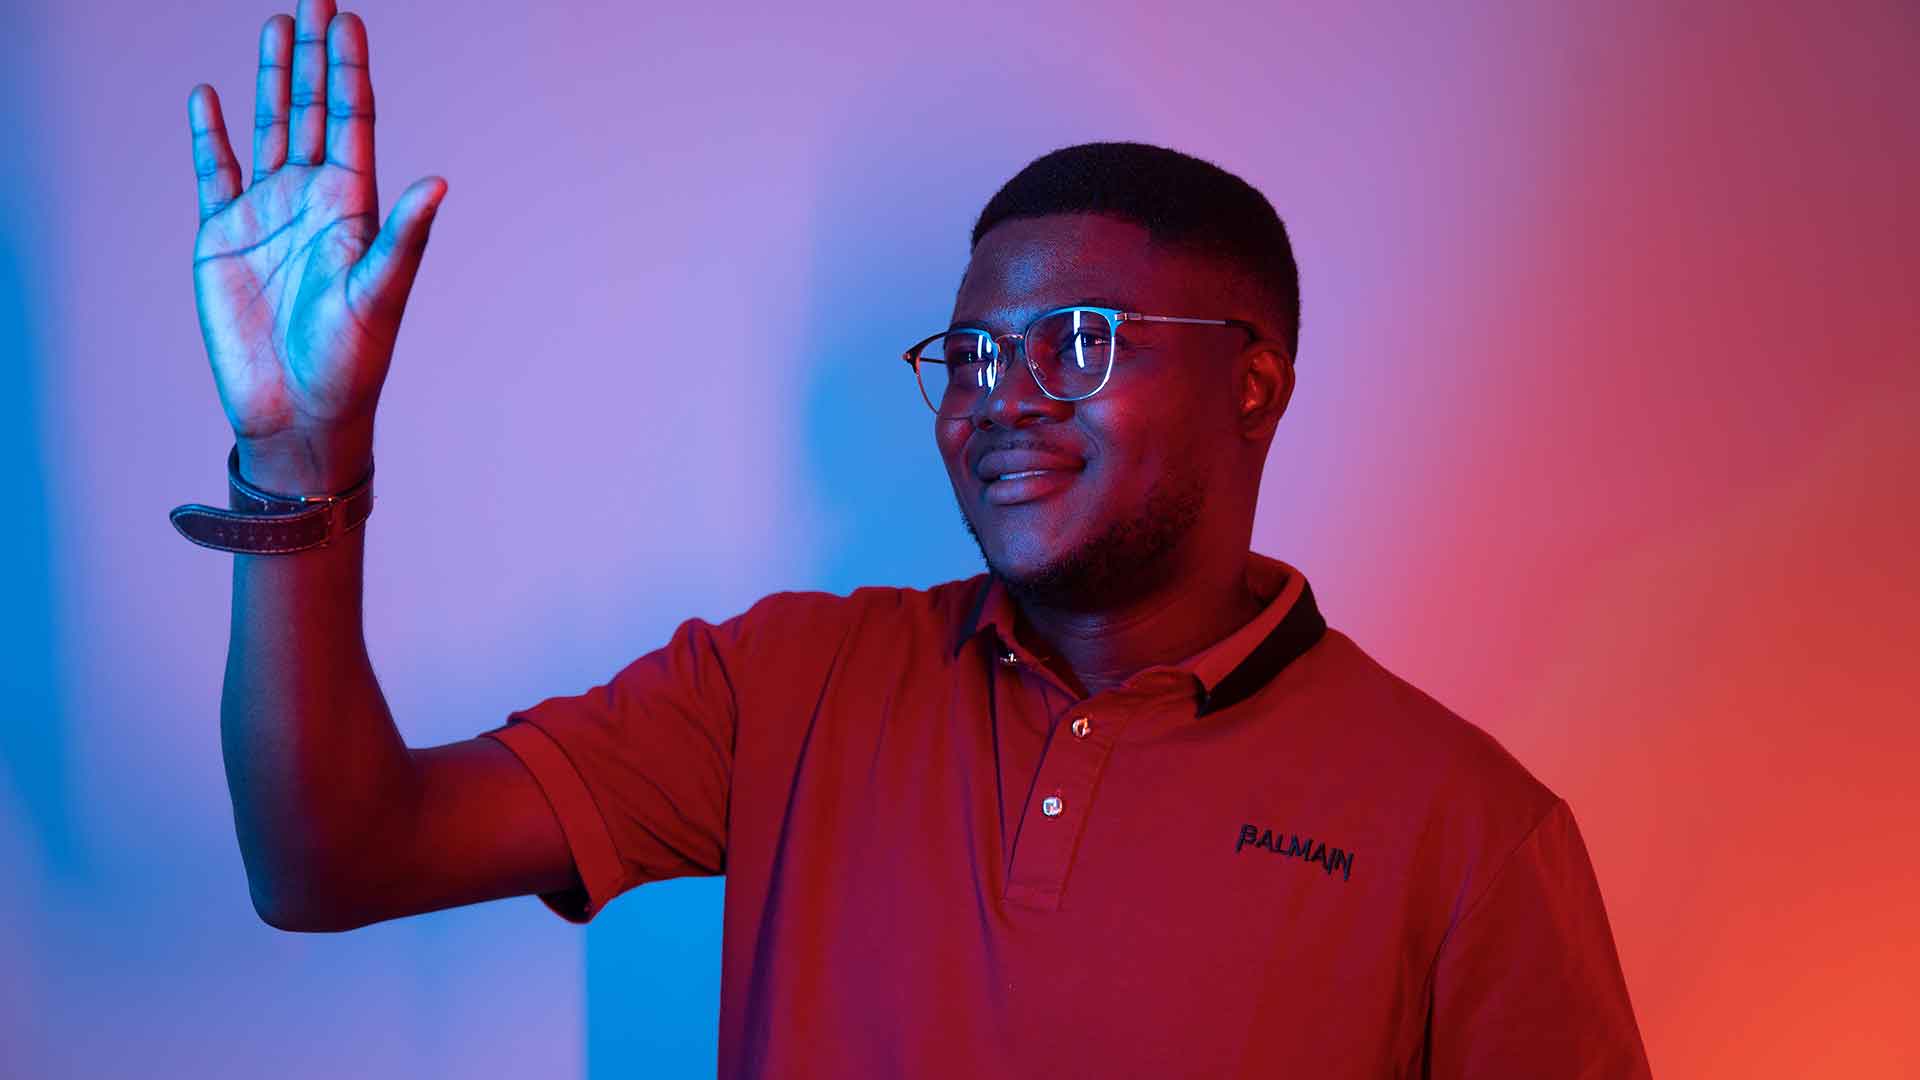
(1134,316)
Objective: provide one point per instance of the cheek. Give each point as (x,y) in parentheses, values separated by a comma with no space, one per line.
(1127,441)
(1144,438)
(950,436)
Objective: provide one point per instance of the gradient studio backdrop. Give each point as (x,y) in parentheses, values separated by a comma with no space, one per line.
(1604,436)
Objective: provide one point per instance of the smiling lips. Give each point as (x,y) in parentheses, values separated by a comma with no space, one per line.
(1015,476)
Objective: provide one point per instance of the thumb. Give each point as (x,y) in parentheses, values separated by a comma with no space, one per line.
(384,275)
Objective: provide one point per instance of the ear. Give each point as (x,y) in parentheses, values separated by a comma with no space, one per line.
(1265,387)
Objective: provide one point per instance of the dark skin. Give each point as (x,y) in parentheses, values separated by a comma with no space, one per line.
(1133,552)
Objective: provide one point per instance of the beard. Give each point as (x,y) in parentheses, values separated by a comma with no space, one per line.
(1127,559)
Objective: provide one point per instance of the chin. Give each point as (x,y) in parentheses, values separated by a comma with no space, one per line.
(1024,560)
(1124,560)
(1067,583)
(1067,572)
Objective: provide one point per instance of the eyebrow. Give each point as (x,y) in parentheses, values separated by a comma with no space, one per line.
(1085,301)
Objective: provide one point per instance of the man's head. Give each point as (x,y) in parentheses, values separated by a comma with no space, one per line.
(1159,471)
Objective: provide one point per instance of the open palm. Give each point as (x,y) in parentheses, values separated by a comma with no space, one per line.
(299,290)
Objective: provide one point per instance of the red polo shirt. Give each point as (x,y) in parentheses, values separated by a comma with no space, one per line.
(1275,858)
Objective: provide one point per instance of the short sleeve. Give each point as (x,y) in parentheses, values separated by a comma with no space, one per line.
(638,769)
(1527,982)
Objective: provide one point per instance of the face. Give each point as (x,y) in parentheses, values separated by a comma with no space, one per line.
(1122,489)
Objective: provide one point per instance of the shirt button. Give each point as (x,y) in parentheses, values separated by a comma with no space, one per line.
(1008,658)
(1051,806)
(1081,727)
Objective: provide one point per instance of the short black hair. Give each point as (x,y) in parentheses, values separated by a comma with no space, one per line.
(1179,199)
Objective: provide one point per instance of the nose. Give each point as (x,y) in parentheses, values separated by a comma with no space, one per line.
(1016,399)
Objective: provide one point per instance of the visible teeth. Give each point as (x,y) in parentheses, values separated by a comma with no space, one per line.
(1018,475)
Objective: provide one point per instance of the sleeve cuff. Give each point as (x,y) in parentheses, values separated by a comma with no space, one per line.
(588,839)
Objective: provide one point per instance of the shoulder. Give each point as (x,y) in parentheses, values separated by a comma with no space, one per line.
(892,612)
(1419,746)
(946,598)
(1443,797)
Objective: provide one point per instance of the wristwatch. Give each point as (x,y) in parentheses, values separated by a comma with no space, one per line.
(264,523)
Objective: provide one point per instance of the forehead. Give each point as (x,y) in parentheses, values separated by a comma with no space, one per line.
(1027,265)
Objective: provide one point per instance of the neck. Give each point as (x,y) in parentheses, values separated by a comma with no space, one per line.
(1101,649)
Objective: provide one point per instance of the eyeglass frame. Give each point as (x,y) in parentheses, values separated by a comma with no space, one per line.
(1115,319)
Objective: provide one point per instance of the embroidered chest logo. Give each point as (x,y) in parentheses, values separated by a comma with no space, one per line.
(1332,860)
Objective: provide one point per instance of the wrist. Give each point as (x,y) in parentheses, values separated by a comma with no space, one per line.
(306,463)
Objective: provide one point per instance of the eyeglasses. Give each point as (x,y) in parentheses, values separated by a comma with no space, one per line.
(1069,351)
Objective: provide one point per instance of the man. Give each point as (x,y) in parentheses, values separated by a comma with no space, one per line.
(1122,806)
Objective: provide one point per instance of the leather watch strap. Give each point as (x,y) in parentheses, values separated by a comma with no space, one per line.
(262,522)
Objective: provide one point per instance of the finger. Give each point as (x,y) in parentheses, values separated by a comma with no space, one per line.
(270,92)
(217,174)
(381,280)
(349,95)
(307,125)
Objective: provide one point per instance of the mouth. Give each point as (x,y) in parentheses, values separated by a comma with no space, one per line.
(1025,471)
(1028,485)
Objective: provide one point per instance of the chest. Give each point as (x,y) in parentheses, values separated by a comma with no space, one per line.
(1066,875)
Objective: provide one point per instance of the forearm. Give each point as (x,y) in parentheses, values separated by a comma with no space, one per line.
(315,765)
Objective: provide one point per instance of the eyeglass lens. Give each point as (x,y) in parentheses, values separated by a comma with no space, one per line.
(1071,350)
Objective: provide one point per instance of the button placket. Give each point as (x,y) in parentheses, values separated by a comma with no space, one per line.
(1069,772)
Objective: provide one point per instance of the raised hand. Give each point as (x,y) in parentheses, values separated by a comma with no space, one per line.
(299,288)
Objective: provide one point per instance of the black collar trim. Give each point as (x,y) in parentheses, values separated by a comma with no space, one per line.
(1299,630)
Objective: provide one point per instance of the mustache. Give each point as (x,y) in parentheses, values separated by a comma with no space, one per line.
(974,451)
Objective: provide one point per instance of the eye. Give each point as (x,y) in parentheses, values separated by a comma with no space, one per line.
(1084,349)
(963,349)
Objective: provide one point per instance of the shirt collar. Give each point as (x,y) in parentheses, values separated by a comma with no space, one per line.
(1228,671)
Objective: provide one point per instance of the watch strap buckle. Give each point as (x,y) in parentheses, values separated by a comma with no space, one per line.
(261,522)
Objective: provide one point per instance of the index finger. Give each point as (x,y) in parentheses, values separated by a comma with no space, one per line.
(349,95)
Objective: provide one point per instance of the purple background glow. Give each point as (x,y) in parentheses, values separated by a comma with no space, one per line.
(1604,437)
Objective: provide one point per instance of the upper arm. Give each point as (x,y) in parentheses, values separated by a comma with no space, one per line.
(476,828)
(1528,983)
(583,796)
